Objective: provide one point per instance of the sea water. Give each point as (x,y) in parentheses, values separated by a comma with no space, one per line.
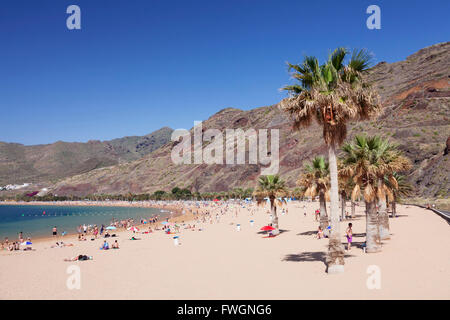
(38,221)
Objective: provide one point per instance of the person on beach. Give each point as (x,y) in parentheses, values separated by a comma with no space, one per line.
(320,233)
(349,233)
(115,245)
(317,214)
(347,215)
(80,257)
(54,232)
(105,245)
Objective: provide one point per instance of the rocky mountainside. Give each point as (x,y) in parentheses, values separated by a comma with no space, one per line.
(416,101)
(39,163)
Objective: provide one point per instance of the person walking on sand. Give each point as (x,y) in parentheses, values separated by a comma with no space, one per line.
(317,214)
(349,233)
(55,232)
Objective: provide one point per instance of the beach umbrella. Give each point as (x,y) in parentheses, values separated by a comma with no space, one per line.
(215,200)
(134,229)
(111,228)
(164,222)
(267,228)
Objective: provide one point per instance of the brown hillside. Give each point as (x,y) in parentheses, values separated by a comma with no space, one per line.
(416,101)
(40,163)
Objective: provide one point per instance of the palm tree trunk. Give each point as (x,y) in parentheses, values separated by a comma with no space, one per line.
(384,221)
(323,210)
(273,211)
(342,206)
(372,235)
(353,208)
(394,207)
(387,203)
(335,258)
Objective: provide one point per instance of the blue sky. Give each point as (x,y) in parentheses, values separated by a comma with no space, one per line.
(136,66)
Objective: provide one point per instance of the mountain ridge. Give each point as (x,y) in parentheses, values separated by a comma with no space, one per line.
(415,95)
(45,162)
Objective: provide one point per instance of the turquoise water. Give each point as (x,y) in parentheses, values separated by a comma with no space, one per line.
(32,221)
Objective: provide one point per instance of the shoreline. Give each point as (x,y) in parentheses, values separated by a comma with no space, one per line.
(174,211)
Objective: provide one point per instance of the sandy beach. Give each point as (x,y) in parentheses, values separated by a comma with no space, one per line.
(220,262)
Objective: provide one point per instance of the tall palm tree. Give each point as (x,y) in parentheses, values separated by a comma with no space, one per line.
(272,187)
(315,179)
(365,160)
(361,165)
(391,160)
(346,186)
(333,94)
(398,187)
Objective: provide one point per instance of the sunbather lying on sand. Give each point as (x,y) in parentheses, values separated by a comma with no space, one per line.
(62,245)
(80,257)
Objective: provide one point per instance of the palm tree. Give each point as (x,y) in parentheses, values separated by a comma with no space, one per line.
(365,160)
(333,94)
(248,192)
(361,165)
(239,193)
(398,187)
(298,192)
(391,160)
(315,179)
(272,187)
(346,186)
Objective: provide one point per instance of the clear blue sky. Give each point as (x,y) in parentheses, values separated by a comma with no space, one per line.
(136,66)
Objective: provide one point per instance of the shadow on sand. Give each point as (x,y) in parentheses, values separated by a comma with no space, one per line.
(359,235)
(307,233)
(267,232)
(398,216)
(310,257)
